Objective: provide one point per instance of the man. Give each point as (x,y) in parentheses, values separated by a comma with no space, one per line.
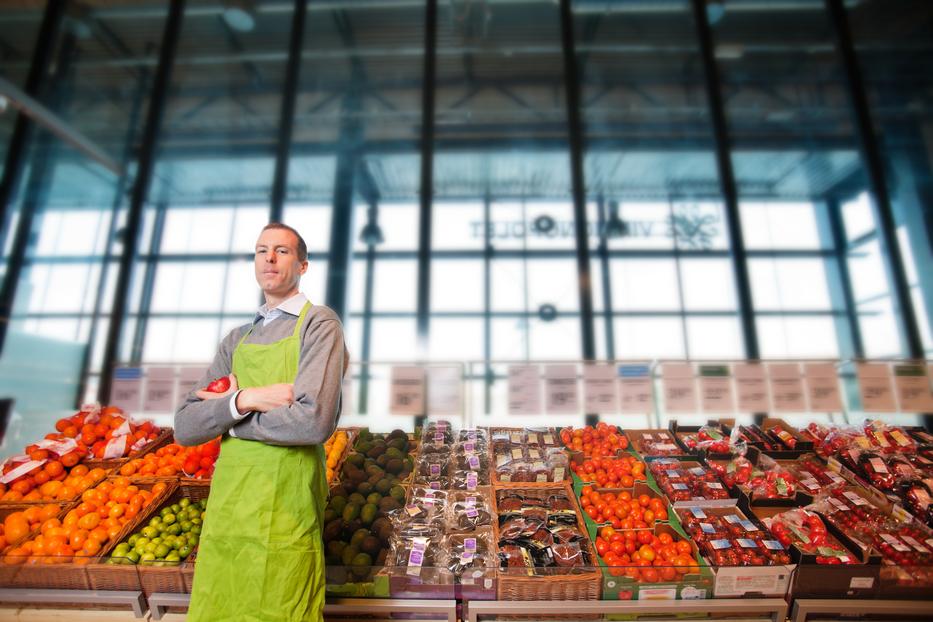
(260,555)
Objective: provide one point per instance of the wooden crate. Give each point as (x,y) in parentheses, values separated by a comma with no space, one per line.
(550,583)
(71,574)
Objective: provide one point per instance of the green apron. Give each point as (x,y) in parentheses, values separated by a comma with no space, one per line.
(260,555)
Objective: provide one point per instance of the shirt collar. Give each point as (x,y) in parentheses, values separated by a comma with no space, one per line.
(292,306)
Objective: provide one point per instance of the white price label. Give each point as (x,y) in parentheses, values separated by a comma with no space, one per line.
(822,387)
(524,390)
(716,389)
(874,380)
(561,389)
(786,387)
(913,388)
(635,394)
(679,388)
(407,391)
(599,389)
(751,388)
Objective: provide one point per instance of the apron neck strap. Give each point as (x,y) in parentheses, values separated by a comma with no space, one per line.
(295,333)
(301,319)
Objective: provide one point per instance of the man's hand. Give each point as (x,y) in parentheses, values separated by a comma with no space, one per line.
(209,395)
(264,399)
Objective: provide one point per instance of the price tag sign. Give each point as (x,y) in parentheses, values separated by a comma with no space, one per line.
(127,389)
(188,380)
(406,388)
(599,389)
(913,388)
(786,387)
(635,395)
(160,390)
(874,383)
(716,389)
(751,388)
(822,387)
(563,394)
(445,391)
(679,388)
(524,390)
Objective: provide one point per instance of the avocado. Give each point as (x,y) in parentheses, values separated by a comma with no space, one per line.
(398,444)
(370,545)
(356,498)
(332,531)
(329,515)
(362,562)
(358,536)
(374,497)
(388,504)
(375,451)
(395,466)
(394,452)
(335,548)
(363,447)
(355,460)
(396,433)
(338,503)
(348,554)
(368,513)
(351,512)
(364,488)
(381,461)
(350,528)
(385,533)
(364,434)
(374,469)
(398,493)
(383,486)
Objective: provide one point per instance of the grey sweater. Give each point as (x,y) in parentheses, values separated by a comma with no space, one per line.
(309,420)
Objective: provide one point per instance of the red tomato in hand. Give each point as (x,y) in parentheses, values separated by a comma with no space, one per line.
(221,385)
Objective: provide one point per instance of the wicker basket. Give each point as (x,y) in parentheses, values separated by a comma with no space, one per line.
(187,571)
(10,508)
(104,576)
(559,584)
(164,438)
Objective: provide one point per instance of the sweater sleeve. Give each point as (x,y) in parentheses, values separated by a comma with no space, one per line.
(198,421)
(312,417)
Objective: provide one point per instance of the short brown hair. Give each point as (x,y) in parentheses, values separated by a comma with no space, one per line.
(302,247)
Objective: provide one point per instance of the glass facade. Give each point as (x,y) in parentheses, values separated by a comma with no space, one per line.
(378,95)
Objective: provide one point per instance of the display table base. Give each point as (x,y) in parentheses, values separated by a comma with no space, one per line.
(831,609)
(372,608)
(133,600)
(773,609)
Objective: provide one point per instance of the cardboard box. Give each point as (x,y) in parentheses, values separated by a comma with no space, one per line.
(637,438)
(813,580)
(681,431)
(686,587)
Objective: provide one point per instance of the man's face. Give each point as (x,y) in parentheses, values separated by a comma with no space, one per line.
(278,268)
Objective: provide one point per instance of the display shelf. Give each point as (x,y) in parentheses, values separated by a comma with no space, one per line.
(811,609)
(774,609)
(133,599)
(374,609)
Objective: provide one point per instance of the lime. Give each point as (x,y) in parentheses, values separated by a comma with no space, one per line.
(155,522)
(175,508)
(149,532)
(132,540)
(151,547)
(133,556)
(172,557)
(185,525)
(161,551)
(184,551)
(121,550)
(184,502)
(169,519)
(173,529)
(147,559)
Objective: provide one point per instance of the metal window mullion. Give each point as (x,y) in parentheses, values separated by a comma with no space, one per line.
(727,179)
(18,147)
(426,192)
(287,113)
(578,183)
(880,197)
(147,156)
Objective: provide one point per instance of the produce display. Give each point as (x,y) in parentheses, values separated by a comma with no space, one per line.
(357,531)
(645,556)
(806,531)
(678,511)
(85,529)
(94,433)
(168,539)
(171,460)
(622,471)
(622,509)
(682,481)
